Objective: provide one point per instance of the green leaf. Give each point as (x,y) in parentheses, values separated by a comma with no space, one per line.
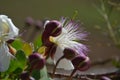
(41,75)
(36,74)
(44,74)
(17,70)
(17,65)
(27,48)
(38,42)
(17,44)
(18,62)
(13,66)
(21,58)
(116,63)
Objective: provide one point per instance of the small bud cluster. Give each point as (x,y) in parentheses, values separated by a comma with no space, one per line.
(57,31)
(29,21)
(79,62)
(26,76)
(36,62)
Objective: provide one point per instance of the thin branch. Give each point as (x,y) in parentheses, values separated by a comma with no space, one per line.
(91,76)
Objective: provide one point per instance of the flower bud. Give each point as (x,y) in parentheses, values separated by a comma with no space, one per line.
(39,24)
(25,76)
(52,28)
(29,21)
(69,53)
(10,41)
(36,61)
(81,63)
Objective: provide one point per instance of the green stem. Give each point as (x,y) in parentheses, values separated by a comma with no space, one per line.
(75,14)
(54,69)
(0,75)
(111,32)
(71,75)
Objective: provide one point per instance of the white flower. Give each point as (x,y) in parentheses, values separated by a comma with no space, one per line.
(70,34)
(7,31)
(5,57)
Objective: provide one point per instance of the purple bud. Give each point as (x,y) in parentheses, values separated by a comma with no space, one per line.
(24,76)
(52,28)
(82,63)
(39,24)
(36,61)
(29,21)
(45,39)
(104,78)
(69,53)
(10,41)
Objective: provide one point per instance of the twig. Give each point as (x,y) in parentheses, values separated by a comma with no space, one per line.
(54,69)
(91,75)
(105,16)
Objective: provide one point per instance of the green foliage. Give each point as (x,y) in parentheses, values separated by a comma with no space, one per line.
(116,63)
(19,62)
(27,48)
(36,74)
(21,58)
(105,10)
(17,65)
(44,74)
(38,42)
(17,44)
(40,74)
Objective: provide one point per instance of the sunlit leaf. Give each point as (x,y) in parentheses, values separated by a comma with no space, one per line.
(27,48)
(13,66)
(21,58)
(17,44)
(41,50)
(18,62)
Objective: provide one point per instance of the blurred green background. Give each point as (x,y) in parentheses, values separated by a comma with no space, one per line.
(18,10)
(99,42)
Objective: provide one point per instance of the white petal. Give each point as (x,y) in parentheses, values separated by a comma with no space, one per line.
(46,22)
(49,61)
(12,29)
(5,57)
(58,54)
(64,63)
